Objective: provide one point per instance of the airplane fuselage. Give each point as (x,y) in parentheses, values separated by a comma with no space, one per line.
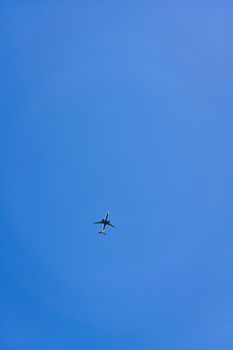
(106,221)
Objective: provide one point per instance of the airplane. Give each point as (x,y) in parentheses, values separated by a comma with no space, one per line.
(105,222)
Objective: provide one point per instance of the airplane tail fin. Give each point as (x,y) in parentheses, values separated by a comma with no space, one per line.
(102,232)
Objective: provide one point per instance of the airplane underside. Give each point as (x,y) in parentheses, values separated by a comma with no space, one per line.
(104,222)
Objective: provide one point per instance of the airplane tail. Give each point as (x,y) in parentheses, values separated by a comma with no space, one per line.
(102,232)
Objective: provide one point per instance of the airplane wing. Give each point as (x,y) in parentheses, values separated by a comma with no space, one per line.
(110,224)
(98,222)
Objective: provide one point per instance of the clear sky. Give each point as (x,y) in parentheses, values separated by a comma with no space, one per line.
(123,106)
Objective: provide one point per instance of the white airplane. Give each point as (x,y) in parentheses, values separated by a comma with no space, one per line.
(105,222)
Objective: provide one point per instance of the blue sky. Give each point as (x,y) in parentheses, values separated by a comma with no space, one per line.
(126,107)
